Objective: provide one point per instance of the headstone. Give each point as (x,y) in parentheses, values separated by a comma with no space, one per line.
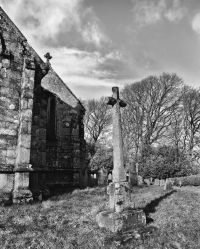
(168,185)
(118,218)
(180,183)
(157,182)
(147,181)
(133,180)
(162,182)
(109,178)
(127,176)
(136,168)
(140,180)
(102,177)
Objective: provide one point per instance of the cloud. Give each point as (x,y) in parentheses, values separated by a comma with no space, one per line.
(45,20)
(147,12)
(84,73)
(196,23)
(176,12)
(72,33)
(75,62)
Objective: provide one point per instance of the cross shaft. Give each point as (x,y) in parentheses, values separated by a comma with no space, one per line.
(118,160)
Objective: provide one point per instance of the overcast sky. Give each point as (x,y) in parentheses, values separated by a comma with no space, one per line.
(96,44)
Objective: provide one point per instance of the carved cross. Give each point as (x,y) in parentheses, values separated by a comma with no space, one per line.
(48,57)
(119,174)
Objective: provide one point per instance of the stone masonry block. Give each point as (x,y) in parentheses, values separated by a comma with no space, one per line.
(6,63)
(5,91)
(28,93)
(21,180)
(10,160)
(3,155)
(3,182)
(23,155)
(25,140)
(2,124)
(30,103)
(24,103)
(12,107)
(24,128)
(26,115)
(4,131)
(5,100)
(11,153)
(29,125)
(3,143)
(3,72)
(12,126)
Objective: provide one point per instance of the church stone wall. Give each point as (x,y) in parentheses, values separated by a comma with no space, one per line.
(10,86)
(31,97)
(16,93)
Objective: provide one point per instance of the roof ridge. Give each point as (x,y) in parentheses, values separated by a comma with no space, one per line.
(68,88)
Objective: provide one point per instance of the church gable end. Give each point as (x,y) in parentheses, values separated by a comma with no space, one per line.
(41,128)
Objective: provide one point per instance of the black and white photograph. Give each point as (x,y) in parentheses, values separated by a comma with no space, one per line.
(99,124)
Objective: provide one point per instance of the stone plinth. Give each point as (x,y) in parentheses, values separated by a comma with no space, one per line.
(119,195)
(21,193)
(123,221)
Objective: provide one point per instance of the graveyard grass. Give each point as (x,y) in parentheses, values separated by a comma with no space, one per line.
(68,221)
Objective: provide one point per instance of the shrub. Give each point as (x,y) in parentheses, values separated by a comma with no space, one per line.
(193,180)
(164,162)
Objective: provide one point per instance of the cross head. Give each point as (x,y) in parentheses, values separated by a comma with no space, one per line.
(115,98)
(48,56)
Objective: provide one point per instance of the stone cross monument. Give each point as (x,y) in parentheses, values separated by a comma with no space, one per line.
(118,189)
(120,216)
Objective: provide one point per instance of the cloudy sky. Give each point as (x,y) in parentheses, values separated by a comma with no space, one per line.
(96,44)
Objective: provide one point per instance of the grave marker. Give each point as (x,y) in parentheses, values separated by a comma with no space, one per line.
(118,217)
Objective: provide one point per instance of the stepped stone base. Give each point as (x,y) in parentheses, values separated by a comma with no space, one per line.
(123,221)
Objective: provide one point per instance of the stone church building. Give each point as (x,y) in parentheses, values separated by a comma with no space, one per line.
(41,122)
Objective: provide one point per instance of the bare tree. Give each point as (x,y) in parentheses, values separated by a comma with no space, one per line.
(97,121)
(151,103)
(175,132)
(191,107)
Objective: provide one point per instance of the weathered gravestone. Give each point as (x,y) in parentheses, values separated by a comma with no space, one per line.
(140,180)
(157,182)
(147,181)
(162,182)
(168,185)
(119,216)
(133,179)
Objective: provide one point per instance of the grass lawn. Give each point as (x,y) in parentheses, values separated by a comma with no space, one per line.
(68,221)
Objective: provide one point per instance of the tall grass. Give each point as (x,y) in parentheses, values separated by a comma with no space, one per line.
(68,221)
